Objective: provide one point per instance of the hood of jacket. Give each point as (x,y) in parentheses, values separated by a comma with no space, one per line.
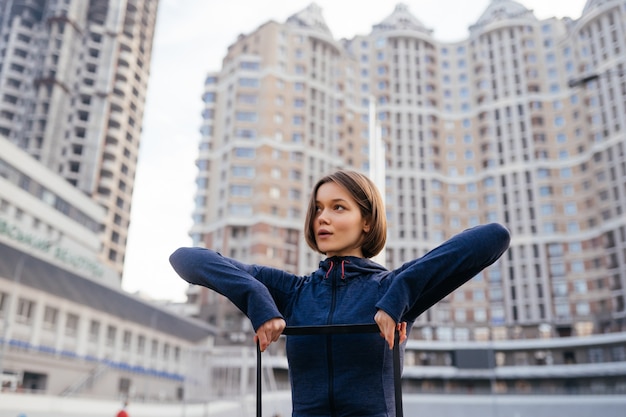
(349,267)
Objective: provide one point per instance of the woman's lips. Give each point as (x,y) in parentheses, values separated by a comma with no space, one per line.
(323,233)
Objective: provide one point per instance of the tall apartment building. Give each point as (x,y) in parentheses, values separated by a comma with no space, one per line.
(73,80)
(489,128)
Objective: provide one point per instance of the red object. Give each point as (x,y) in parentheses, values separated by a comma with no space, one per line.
(122,413)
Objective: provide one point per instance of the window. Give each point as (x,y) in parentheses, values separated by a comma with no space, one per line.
(568,190)
(94,331)
(575,247)
(460,315)
(294,194)
(570,208)
(245,116)
(545,190)
(247,98)
(249,82)
(443,314)
(71,324)
(559,121)
(141,344)
(497,315)
(240,209)
(126,338)
(555,249)
(444,333)
(243,171)
(618,353)
(580,286)
(245,133)
(559,289)
(240,190)
(480,315)
(578,266)
(495,294)
(562,310)
(25,310)
(582,309)
(50,318)
(154,348)
(245,153)
(111,333)
(252,66)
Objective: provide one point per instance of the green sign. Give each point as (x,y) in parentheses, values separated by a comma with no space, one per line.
(49,247)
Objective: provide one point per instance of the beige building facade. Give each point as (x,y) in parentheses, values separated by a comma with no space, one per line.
(490,128)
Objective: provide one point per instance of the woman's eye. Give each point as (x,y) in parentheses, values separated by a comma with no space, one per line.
(339,207)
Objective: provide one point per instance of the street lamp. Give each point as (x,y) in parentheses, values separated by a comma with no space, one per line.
(575,82)
(582,81)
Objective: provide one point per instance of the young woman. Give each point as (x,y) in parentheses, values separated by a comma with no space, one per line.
(341,375)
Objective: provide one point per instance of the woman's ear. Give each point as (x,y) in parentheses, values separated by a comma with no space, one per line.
(366,226)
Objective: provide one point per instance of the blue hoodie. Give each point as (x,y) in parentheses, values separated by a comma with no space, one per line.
(343,375)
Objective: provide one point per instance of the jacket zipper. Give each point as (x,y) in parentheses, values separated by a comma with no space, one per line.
(331,397)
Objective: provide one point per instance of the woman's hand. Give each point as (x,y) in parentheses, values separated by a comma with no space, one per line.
(388,327)
(269,332)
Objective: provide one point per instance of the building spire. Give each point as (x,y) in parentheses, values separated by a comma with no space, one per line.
(401,19)
(502,10)
(311,18)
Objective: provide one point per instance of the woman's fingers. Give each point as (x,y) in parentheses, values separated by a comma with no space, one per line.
(388,327)
(402,330)
(269,332)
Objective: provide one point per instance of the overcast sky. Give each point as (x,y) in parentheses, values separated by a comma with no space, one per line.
(191,39)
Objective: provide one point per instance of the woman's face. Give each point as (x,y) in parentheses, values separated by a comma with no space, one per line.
(338,224)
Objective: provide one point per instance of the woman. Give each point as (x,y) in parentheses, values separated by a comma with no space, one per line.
(341,375)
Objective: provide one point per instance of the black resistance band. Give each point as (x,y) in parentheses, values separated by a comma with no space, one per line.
(338,329)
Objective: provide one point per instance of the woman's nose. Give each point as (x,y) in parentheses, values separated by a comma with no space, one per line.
(322,218)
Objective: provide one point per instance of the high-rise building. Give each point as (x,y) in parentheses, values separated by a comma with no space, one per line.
(494,127)
(73,80)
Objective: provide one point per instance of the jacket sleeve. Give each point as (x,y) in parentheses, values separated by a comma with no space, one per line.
(421,283)
(250,287)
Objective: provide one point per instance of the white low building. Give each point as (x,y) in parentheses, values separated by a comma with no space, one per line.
(66,326)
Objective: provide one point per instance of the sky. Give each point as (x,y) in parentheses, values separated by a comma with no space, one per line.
(192,37)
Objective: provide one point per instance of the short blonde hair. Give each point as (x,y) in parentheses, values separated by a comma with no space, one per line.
(367,197)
